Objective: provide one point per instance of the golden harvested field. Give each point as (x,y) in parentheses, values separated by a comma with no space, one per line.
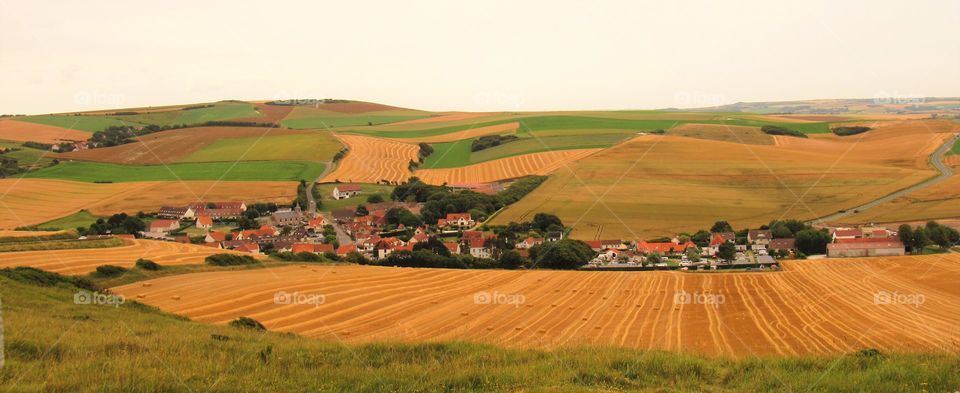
(86,260)
(498,129)
(905,144)
(170,146)
(505,168)
(371,160)
(722,132)
(26,202)
(662,185)
(6,233)
(813,307)
(935,202)
(446,117)
(33,201)
(22,131)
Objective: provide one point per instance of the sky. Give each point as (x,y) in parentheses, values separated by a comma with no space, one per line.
(60,56)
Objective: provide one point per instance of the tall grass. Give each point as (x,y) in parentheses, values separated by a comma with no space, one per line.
(55,345)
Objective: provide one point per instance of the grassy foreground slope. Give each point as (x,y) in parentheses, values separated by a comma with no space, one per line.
(53,344)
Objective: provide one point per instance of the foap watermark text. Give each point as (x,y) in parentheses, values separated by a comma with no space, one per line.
(711,299)
(896,298)
(309,299)
(98,299)
(495,298)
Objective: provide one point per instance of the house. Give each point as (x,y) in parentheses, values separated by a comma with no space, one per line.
(453,247)
(346,249)
(317,223)
(232,205)
(215,237)
(220,214)
(344,215)
(846,233)
(178,213)
(554,236)
(877,247)
(471,235)
(782,245)
(759,237)
(164,226)
(663,248)
(456,220)
(479,249)
(718,239)
(182,239)
(252,248)
(344,191)
(311,247)
(204,222)
(283,246)
(287,217)
(529,243)
(418,238)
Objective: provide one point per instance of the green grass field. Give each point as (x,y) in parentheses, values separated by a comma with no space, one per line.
(239,171)
(955,149)
(81,218)
(345,121)
(315,146)
(81,123)
(27,156)
(54,344)
(368,189)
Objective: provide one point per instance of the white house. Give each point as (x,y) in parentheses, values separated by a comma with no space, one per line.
(343,191)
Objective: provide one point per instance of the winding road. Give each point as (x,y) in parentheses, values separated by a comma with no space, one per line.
(936,159)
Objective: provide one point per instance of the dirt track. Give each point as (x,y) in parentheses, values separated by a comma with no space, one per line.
(813,307)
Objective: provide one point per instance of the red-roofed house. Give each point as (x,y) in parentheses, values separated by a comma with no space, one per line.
(215,237)
(457,220)
(532,241)
(253,248)
(479,249)
(343,191)
(311,247)
(863,248)
(847,233)
(346,249)
(453,247)
(663,248)
(204,222)
(164,226)
(419,237)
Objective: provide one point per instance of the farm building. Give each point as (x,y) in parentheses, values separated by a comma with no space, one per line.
(782,244)
(846,233)
(164,226)
(287,216)
(179,213)
(344,191)
(877,247)
(759,237)
(456,220)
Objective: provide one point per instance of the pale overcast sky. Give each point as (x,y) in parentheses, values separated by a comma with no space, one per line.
(473,55)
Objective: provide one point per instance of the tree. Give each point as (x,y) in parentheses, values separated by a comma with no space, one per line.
(654,258)
(905,232)
(563,254)
(812,241)
(920,239)
(433,245)
(511,259)
(726,251)
(721,226)
(780,230)
(693,254)
(375,198)
(362,211)
(701,238)
(544,221)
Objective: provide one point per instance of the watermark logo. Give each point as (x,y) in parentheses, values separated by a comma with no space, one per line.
(896,298)
(698,99)
(895,98)
(512,299)
(309,299)
(710,299)
(99,99)
(98,299)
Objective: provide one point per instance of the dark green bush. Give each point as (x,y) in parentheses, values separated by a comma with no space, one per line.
(777,130)
(147,264)
(110,271)
(247,323)
(230,260)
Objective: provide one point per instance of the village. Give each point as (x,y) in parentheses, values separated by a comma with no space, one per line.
(373,231)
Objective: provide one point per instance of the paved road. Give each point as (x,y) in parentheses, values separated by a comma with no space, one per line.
(936,159)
